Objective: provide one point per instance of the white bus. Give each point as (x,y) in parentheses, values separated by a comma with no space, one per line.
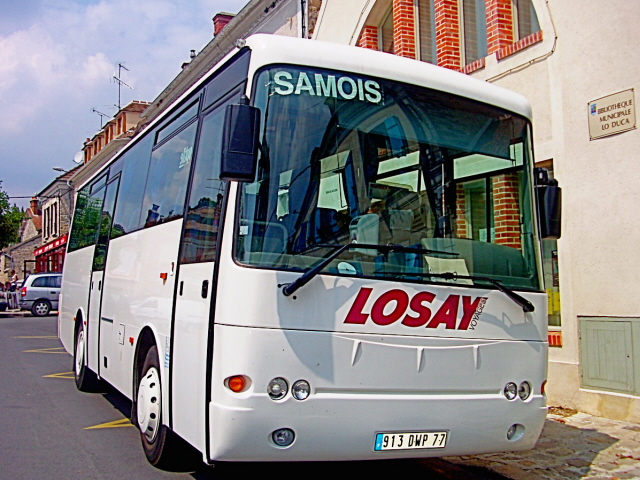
(314,255)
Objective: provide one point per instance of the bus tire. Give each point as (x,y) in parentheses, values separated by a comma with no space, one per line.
(86,379)
(157,439)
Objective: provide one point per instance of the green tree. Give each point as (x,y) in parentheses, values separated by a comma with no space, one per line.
(10,220)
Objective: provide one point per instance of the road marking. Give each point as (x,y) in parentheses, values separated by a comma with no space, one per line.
(124,422)
(69,375)
(46,350)
(46,337)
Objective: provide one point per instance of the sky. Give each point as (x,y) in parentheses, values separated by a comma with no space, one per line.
(57,60)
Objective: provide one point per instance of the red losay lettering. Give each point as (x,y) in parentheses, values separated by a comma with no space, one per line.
(355,314)
(377,311)
(447,313)
(468,309)
(423,311)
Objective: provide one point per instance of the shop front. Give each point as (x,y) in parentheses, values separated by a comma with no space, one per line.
(50,257)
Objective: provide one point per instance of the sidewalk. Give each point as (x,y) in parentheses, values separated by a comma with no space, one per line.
(10,312)
(573,445)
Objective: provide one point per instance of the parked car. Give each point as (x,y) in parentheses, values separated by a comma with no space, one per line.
(40,293)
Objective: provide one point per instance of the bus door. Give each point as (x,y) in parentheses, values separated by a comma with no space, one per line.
(198,252)
(105,325)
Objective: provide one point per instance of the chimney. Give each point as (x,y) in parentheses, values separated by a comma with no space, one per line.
(220,21)
(34,206)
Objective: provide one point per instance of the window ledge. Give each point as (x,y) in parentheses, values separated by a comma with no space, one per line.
(555,339)
(519,45)
(474,66)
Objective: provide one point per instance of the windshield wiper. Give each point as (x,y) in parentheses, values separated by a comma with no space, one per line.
(290,288)
(526,305)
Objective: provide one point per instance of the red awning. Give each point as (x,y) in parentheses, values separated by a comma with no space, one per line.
(57,243)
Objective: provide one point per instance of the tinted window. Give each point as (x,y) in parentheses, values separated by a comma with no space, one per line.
(165,192)
(177,122)
(86,219)
(39,282)
(207,192)
(229,77)
(134,175)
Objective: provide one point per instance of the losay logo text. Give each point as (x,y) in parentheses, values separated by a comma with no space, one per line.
(457,312)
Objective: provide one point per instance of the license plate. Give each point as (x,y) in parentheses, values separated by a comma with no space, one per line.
(410,440)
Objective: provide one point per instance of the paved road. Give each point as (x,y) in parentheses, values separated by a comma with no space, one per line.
(52,431)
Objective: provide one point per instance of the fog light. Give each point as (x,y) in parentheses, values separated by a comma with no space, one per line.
(515,432)
(301,390)
(277,388)
(283,437)
(510,391)
(524,390)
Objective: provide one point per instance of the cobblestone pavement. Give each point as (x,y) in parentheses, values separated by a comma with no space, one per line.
(573,445)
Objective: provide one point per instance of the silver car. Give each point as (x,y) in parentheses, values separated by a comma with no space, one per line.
(40,293)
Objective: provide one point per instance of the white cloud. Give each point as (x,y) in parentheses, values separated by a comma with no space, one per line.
(56,64)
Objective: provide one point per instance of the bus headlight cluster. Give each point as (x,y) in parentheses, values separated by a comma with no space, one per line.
(278,389)
(511,391)
(301,390)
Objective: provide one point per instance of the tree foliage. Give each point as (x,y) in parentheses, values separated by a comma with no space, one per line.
(10,220)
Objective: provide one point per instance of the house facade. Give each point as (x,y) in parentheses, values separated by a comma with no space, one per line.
(576,69)
(57,211)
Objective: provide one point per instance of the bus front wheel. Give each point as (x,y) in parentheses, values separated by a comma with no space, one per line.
(153,433)
(86,379)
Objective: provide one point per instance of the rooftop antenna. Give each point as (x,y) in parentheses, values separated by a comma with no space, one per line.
(102,116)
(118,80)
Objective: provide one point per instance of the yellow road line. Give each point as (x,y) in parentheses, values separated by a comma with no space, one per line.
(46,350)
(124,422)
(60,375)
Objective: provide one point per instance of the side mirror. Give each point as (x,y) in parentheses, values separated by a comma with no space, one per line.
(549,196)
(240,143)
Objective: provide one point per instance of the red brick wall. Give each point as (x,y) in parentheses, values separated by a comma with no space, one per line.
(507,210)
(404,28)
(461,212)
(499,24)
(447,33)
(369,38)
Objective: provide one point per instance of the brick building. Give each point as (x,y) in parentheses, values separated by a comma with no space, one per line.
(579,77)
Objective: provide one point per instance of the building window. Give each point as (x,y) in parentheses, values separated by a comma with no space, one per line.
(526,20)
(386,33)
(426,33)
(473,20)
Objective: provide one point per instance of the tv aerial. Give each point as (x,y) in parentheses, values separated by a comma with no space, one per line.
(117,79)
(102,116)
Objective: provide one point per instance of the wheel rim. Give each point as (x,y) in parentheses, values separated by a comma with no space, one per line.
(79,363)
(41,308)
(149,404)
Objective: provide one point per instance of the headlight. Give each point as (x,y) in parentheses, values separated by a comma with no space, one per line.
(277,388)
(524,390)
(301,390)
(510,391)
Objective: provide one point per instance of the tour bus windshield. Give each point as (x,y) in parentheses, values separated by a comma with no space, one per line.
(346,159)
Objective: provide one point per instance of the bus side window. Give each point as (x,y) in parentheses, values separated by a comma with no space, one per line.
(165,192)
(132,185)
(207,192)
(86,218)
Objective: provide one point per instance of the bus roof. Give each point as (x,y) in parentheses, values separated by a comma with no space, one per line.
(276,49)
